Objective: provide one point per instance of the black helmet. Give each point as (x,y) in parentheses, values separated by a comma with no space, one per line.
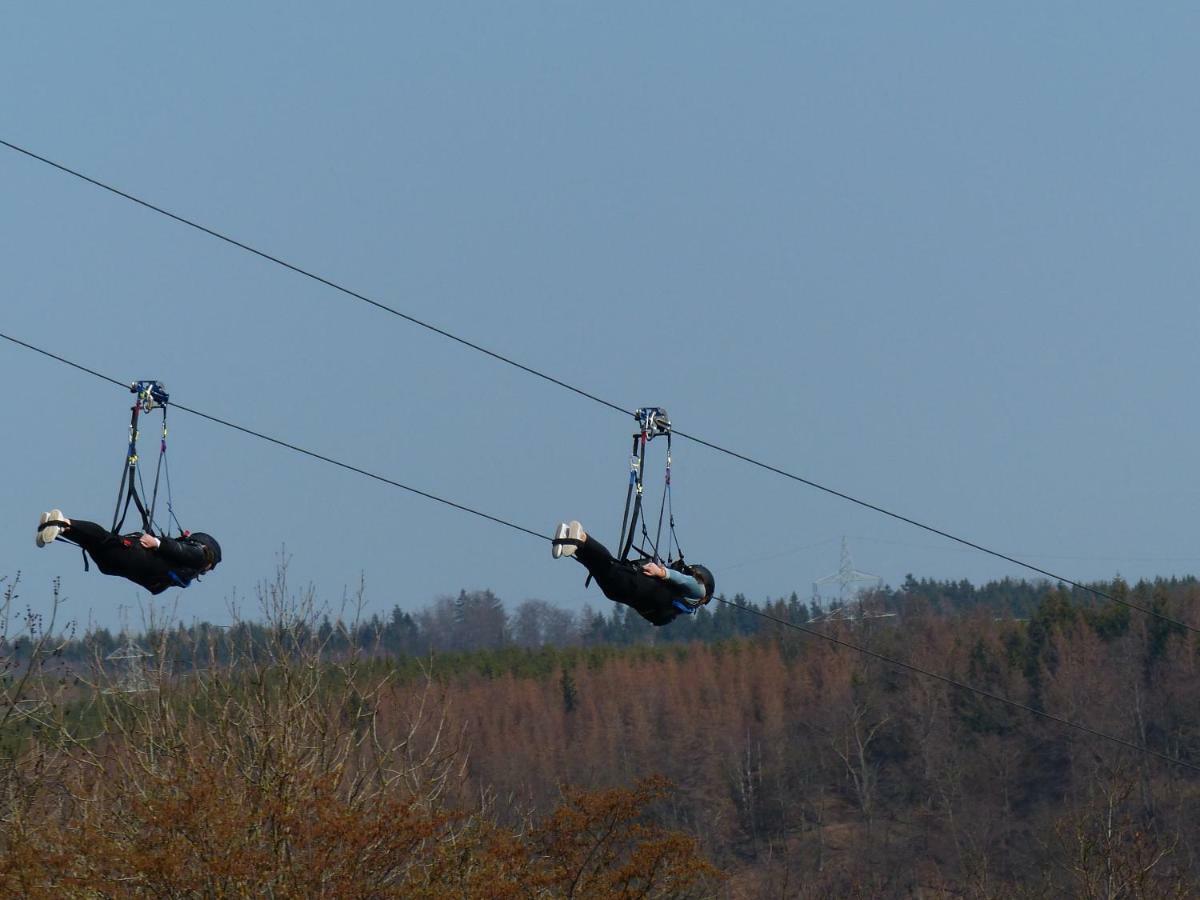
(705,577)
(212,550)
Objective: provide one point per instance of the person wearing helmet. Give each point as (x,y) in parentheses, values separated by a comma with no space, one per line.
(154,563)
(659,594)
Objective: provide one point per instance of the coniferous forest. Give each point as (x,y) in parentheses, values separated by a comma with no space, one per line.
(472,750)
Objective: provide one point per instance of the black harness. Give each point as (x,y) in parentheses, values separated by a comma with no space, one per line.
(653,422)
(150,395)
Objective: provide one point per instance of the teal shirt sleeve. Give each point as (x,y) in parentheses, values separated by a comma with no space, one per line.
(692,588)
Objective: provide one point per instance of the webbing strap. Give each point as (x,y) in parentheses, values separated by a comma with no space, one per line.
(637,466)
(148,519)
(662,514)
(127,472)
(662,506)
(654,423)
(70,540)
(149,395)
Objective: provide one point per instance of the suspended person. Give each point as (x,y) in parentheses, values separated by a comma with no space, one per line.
(155,563)
(659,594)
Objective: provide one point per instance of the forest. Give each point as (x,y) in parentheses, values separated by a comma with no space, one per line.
(768,749)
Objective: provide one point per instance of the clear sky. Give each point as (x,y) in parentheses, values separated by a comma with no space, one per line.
(942,257)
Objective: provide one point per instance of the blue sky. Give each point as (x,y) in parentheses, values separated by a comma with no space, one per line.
(939,257)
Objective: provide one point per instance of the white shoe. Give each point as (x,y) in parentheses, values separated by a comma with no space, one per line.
(576,537)
(47,533)
(567,538)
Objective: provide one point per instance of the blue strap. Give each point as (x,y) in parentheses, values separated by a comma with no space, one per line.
(175,578)
(683,607)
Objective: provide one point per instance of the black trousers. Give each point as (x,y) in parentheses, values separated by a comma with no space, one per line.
(121,555)
(624,582)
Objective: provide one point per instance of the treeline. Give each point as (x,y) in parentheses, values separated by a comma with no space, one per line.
(808,769)
(281,774)
(800,766)
(480,621)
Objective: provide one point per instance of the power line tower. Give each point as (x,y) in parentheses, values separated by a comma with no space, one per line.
(130,661)
(846,577)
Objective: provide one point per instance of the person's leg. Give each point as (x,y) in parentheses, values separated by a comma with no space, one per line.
(621,582)
(107,550)
(616,579)
(594,555)
(87,534)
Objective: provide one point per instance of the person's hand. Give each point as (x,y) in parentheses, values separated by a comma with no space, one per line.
(654,570)
(149,541)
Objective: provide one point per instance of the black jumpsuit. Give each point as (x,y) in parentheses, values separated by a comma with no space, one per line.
(655,600)
(173,564)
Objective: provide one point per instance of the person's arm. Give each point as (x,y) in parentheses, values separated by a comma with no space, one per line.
(177,553)
(691,587)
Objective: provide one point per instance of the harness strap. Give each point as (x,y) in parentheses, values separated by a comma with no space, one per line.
(150,394)
(653,423)
(127,473)
(148,518)
(70,540)
(637,466)
(147,515)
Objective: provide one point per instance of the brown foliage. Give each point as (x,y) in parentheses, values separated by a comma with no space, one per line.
(278,774)
(803,759)
(802,767)
(594,845)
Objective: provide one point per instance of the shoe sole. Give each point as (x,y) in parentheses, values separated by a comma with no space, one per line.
(574,533)
(556,549)
(47,534)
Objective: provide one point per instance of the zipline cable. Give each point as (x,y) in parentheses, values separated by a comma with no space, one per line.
(356,469)
(613,406)
(315,277)
(289,446)
(932,530)
(887,659)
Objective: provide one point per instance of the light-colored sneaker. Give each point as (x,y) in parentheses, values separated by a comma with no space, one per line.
(556,546)
(50,526)
(576,537)
(42,520)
